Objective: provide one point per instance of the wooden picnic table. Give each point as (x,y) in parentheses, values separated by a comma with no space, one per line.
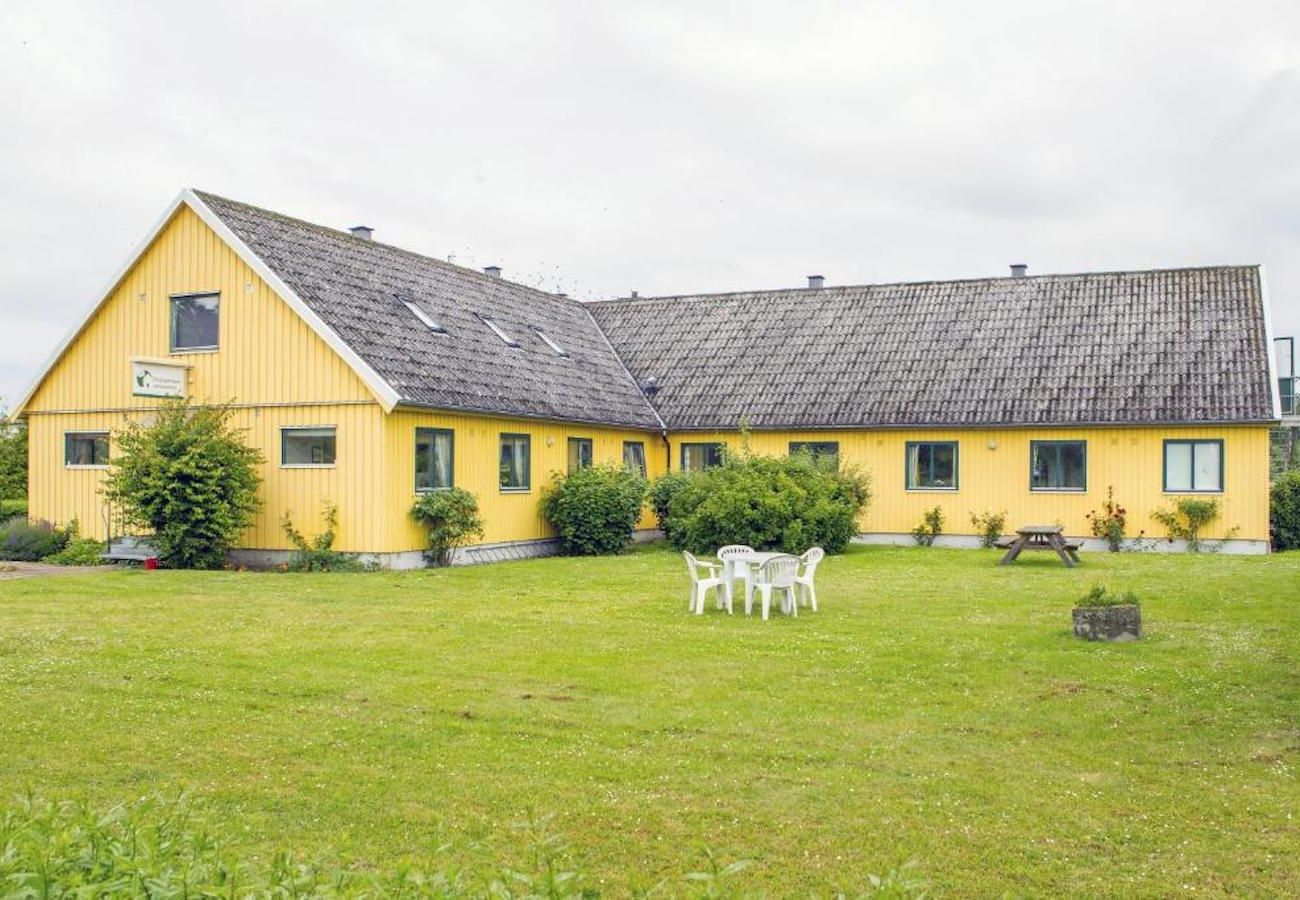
(1040,537)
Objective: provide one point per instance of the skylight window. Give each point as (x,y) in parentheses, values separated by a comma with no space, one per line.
(559,351)
(496,329)
(424,317)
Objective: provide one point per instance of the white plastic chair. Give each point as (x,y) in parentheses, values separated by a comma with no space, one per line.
(804,580)
(701,586)
(734,567)
(777,574)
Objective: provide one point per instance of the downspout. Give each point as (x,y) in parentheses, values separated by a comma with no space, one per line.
(668,452)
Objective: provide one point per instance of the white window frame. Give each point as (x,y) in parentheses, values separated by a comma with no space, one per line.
(171,323)
(85,434)
(285,429)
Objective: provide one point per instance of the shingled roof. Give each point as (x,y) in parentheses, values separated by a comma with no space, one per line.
(358,288)
(1132,348)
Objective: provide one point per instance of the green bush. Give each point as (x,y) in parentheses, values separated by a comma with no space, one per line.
(594,509)
(189,480)
(30,541)
(930,528)
(452,519)
(79,552)
(1187,519)
(1098,596)
(318,554)
(662,491)
(989,527)
(13,508)
(768,502)
(1284,512)
(13,460)
(1111,523)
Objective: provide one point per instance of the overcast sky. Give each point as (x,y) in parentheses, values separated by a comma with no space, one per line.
(597,148)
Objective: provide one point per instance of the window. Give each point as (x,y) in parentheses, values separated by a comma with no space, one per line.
(1194,466)
(932,466)
(1058,465)
(579,454)
(195,319)
(697,457)
(424,317)
(634,457)
(825,454)
(496,329)
(559,351)
(85,448)
(434,449)
(516,474)
(307,446)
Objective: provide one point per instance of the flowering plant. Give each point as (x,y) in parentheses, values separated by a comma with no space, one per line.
(1111,523)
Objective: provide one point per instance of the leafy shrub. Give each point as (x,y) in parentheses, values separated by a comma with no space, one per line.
(10,509)
(1111,523)
(989,527)
(30,541)
(1187,519)
(594,509)
(1098,596)
(13,462)
(770,503)
(452,519)
(189,479)
(930,528)
(662,491)
(1284,512)
(318,554)
(79,552)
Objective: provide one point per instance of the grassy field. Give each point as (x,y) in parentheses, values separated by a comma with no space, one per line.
(937,709)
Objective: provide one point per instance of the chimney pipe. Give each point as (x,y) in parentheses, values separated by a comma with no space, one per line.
(635,295)
(492,271)
(815,282)
(1019,270)
(365,232)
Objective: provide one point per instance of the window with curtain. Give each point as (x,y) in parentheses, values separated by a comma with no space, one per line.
(932,465)
(85,448)
(515,462)
(579,454)
(434,449)
(307,446)
(698,457)
(825,454)
(194,322)
(1194,466)
(1058,465)
(634,457)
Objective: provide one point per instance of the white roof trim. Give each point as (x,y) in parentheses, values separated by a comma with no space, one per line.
(1273,387)
(383,391)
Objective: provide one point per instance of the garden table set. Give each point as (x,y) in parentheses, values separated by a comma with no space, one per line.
(1040,537)
(761,573)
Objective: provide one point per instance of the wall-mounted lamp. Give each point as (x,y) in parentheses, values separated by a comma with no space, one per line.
(993,444)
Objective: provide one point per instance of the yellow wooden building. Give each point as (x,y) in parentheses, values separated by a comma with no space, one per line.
(366,374)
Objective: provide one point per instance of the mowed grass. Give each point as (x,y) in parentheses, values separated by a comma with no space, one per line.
(936,709)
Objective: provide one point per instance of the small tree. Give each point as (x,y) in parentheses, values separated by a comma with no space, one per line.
(930,528)
(989,526)
(1284,512)
(13,458)
(595,509)
(189,479)
(452,519)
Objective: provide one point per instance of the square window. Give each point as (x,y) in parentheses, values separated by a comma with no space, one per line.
(825,454)
(516,463)
(698,457)
(1058,465)
(434,449)
(85,448)
(307,446)
(1194,467)
(194,322)
(579,454)
(634,457)
(932,465)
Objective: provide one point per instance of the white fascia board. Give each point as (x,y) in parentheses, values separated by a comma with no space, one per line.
(1274,388)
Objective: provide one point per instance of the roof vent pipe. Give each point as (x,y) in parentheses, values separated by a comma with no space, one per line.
(1019,270)
(492,271)
(815,282)
(635,295)
(365,232)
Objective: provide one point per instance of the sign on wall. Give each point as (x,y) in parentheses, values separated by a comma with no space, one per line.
(157,380)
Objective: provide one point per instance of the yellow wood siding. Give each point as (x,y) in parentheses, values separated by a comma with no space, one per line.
(508,516)
(994,475)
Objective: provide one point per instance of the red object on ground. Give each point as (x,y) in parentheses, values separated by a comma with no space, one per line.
(151,562)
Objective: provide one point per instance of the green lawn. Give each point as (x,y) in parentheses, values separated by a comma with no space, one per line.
(936,709)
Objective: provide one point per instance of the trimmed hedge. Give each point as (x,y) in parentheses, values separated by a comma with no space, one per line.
(594,510)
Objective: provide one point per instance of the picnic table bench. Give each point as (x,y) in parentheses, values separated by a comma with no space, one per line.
(1040,537)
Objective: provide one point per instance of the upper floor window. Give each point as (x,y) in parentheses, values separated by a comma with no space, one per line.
(634,457)
(579,454)
(1058,465)
(1194,466)
(516,464)
(698,457)
(498,331)
(194,322)
(932,465)
(307,446)
(85,448)
(824,453)
(434,448)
